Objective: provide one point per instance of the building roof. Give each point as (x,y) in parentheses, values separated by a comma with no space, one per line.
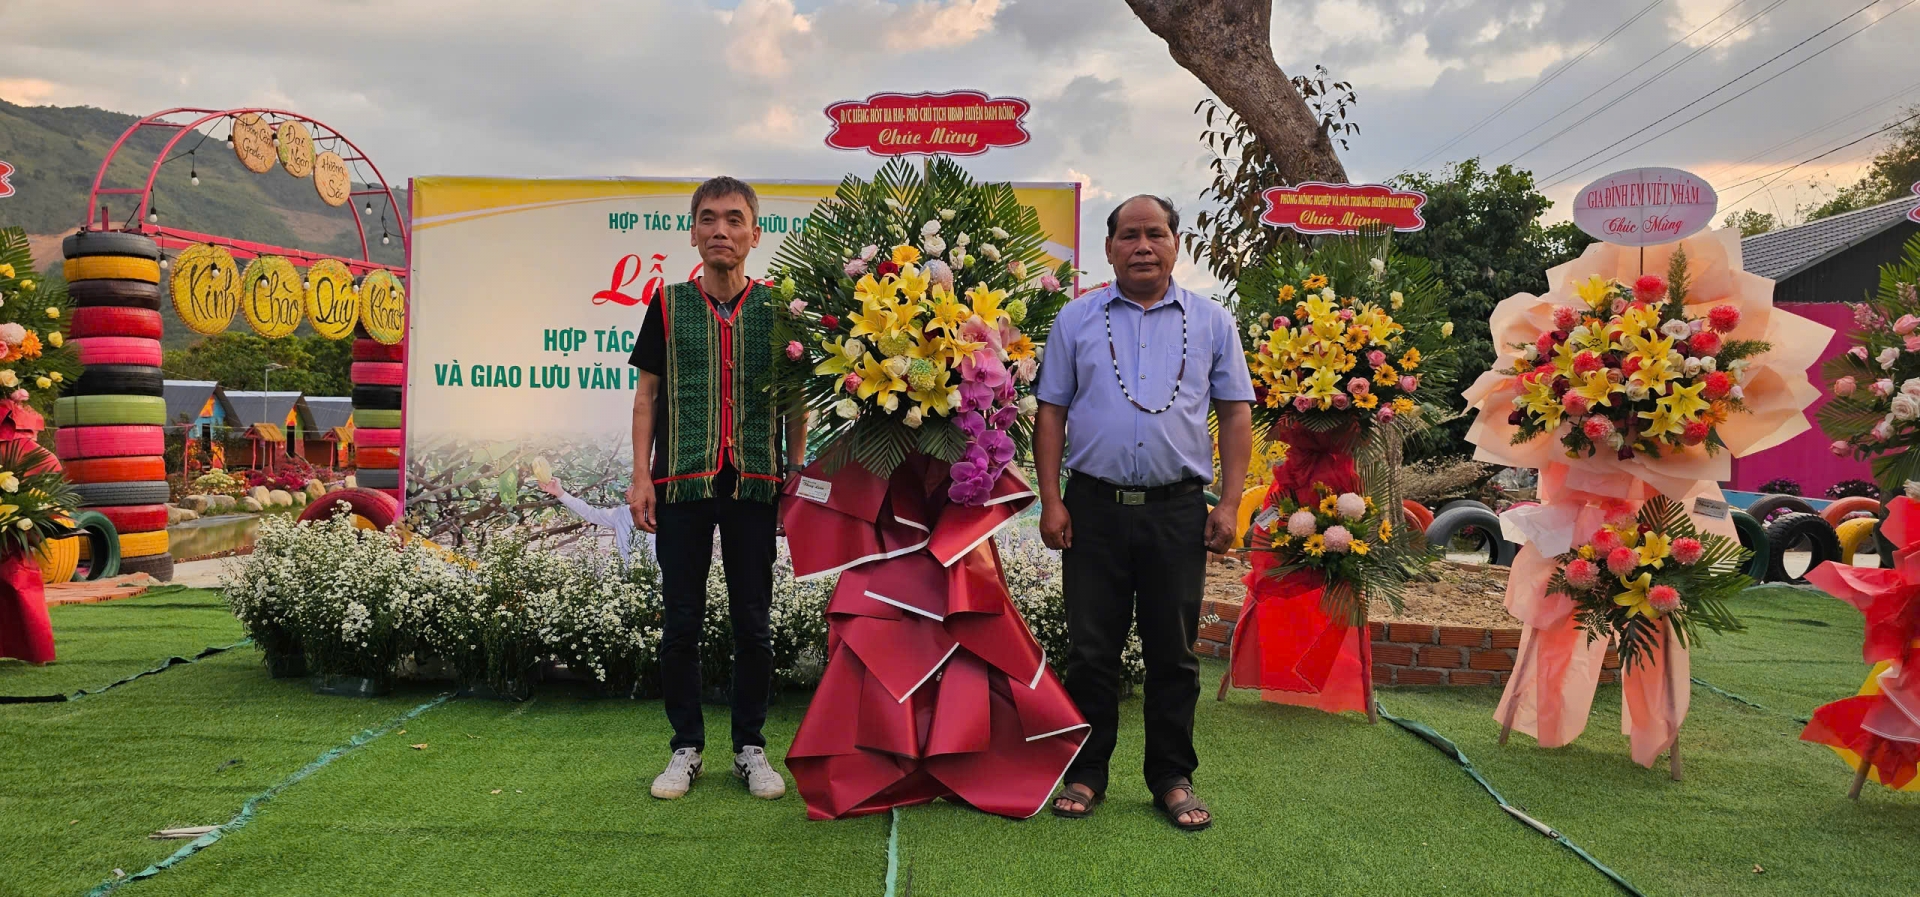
(330,412)
(255,407)
(185,398)
(268,432)
(1780,254)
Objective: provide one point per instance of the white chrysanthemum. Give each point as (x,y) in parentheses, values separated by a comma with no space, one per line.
(1302,524)
(1350,506)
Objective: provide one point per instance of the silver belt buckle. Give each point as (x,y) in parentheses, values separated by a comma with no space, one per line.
(1132,498)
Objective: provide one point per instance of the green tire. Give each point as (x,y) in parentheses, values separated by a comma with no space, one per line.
(1753,537)
(94,411)
(103,545)
(375,418)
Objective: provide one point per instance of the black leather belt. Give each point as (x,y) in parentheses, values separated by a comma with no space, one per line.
(1132,495)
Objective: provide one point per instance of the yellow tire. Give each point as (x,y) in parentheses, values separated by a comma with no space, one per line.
(1853,534)
(58,558)
(113,267)
(134,545)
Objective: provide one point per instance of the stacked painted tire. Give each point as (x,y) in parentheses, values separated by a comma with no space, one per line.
(378,375)
(110,422)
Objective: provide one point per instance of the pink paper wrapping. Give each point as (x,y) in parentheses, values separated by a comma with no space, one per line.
(1550,693)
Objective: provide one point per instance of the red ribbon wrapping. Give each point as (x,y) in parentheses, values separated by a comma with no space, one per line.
(1882,725)
(934,686)
(26,632)
(1285,644)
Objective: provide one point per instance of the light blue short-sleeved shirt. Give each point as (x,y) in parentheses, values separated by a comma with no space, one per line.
(1107,436)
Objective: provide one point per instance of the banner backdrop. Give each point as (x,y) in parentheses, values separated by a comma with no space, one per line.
(526,296)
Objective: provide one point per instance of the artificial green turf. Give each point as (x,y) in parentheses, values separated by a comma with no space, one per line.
(85,782)
(96,644)
(1307,803)
(572,816)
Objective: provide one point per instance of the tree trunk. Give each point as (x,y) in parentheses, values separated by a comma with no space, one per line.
(1227,45)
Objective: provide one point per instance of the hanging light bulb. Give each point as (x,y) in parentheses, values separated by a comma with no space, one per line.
(163,262)
(153,216)
(263,283)
(193,173)
(369,208)
(385,240)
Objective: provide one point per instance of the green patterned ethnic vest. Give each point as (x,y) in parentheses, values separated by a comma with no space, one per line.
(718,408)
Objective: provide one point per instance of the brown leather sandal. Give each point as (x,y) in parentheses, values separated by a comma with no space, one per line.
(1079,794)
(1186,805)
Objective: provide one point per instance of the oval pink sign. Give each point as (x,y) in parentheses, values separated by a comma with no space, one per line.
(1645,206)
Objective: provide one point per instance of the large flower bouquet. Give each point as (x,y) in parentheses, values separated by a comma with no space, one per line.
(1629,371)
(1875,411)
(1348,542)
(1639,571)
(916,305)
(35,361)
(1346,334)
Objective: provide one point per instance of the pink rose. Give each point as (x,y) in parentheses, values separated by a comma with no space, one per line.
(1346,314)
(855,268)
(1913,342)
(1859,352)
(853,382)
(1840,448)
(1050,283)
(1341,401)
(1376,358)
(797,306)
(795,350)
(19,395)
(1285,323)
(1359,386)
(1409,383)
(1843,386)
(1385,414)
(1907,324)
(1302,403)
(1881,388)
(1883,430)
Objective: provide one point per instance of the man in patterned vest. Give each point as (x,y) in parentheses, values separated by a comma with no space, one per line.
(705,427)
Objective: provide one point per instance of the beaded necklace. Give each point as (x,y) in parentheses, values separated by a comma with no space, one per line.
(1113,354)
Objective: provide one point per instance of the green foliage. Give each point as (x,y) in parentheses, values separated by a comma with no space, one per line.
(43,309)
(1751,222)
(1891,176)
(1485,243)
(237,359)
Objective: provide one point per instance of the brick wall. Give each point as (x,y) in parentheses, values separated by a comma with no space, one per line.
(1411,653)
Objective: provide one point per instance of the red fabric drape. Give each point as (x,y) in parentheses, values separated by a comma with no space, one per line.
(1285,645)
(934,686)
(26,632)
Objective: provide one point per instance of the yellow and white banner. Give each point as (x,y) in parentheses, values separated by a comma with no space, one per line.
(527,294)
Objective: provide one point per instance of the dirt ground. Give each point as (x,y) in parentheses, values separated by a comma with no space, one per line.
(1462,595)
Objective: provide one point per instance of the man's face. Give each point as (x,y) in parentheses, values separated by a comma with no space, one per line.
(1142,249)
(724,231)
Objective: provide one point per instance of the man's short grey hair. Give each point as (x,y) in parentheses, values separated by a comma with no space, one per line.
(714,188)
(1166,207)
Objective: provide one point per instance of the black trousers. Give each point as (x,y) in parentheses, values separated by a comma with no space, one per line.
(685,547)
(1135,563)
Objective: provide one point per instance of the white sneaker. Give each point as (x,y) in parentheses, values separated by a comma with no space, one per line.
(678,779)
(751,766)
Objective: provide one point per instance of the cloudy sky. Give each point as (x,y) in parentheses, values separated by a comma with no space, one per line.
(683,87)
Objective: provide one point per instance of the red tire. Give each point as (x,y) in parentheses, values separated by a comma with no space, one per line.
(1417,513)
(382,438)
(378,373)
(379,508)
(119,350)
(391,493)
(367,457)
(109,442)
(116,470)
(370,350)
(107,320)
(136,518)
(1852,504)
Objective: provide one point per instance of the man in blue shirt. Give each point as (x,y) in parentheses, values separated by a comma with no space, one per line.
(1126,380)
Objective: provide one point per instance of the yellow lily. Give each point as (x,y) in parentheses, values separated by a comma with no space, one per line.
(1597,293)
(1597,389)
(1322,386)
(1660,422)
(1634,599)
(1684,401)
(867,290)
(913,282)
(986,303)
(1540,401)
(839,362)
(1653,550)
(6,271)
(878,383)
(874,319)
(948,312)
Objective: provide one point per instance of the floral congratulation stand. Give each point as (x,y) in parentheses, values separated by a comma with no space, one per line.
(1336,379)
(917,362)
(1621,395)
(36,503)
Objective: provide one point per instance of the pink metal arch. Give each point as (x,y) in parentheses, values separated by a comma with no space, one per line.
(170,237)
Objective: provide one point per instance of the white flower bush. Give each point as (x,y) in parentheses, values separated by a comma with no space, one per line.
(361,603)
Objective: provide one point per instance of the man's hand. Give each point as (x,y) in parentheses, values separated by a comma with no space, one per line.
(1220,528)
(1056,525)
(640,503)
(550,486)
